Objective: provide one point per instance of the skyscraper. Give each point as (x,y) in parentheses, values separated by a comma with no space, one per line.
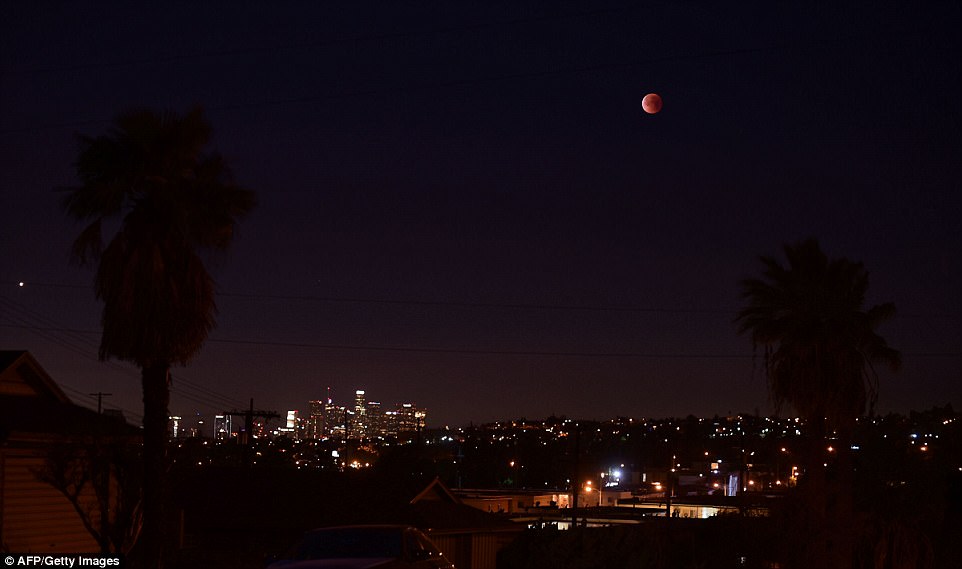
(410,418)
(316,422)
(174,426)
(375,420)
(359,425)
(222,427)
(334,420)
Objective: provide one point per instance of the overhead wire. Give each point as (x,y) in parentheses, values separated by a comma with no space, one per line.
(74,340)
(474,304)
(476,351)
(21,316)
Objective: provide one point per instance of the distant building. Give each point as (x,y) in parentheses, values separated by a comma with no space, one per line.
(174,428)
(359,425)
(335,421)
(365,419)
(222,428)
(291,426)
(410,418)
(316,423)
(375,420)
(390,419)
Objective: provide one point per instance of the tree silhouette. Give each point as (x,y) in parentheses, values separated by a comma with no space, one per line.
(174,200)
(101,480)
(820,349)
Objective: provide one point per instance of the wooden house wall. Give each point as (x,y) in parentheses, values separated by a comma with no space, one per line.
(34,516)
(474,550)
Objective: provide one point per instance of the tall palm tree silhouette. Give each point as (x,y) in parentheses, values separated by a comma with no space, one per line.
(173,200)
(820,351)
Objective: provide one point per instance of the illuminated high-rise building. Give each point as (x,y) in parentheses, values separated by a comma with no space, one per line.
(291,426)
(389,422)
(375,419)
(174,426)
(316,422)
(364,419)
(359,427)
(334,420)
(410,418)
(222,427)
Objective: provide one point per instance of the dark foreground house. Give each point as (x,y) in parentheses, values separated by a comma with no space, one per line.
(60,465)
(467,536)
(237,517)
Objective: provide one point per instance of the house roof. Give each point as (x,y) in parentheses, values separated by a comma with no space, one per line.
(438,492)
(7,357)
(22,375)
(292,500)
(27,417)
(32,405)
(437,508)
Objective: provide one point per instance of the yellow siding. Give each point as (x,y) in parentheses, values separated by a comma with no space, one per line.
(484,551)
(472,550)
(36,517)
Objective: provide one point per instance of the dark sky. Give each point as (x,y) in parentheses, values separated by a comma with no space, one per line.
(463,204)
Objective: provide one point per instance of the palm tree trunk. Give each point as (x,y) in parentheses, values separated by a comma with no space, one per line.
(842,488)
(813,490)
(156,389)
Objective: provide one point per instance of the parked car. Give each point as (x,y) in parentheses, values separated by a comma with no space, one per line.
(363,547)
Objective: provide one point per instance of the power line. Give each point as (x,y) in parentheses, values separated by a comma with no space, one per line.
(84,347)
(470,304)
(73,347)
(473,351)
(441,303)
(465,304)
(562,353)
(210,397)
(196,399)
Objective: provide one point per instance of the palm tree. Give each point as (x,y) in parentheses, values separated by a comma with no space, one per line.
(174,200)
(820,351)
(819,342)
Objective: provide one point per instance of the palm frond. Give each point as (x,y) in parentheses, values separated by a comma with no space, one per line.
(151,169)
(89,243)
(819,341)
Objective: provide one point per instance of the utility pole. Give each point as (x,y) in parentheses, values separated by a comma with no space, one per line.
(670,480)
(101,469)
(100,400)
(576,477)
(249,415)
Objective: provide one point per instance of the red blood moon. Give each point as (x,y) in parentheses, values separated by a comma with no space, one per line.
(651,103)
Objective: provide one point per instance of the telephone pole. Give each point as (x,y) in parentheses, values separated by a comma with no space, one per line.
(249,415)
(100,400)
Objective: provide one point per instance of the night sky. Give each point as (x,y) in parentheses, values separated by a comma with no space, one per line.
(463,205)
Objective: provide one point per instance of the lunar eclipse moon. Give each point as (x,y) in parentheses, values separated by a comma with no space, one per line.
(651,103)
